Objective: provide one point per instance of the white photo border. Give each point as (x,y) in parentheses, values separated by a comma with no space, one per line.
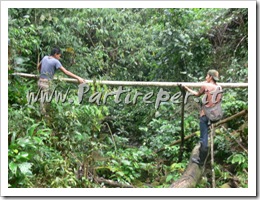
(250,191)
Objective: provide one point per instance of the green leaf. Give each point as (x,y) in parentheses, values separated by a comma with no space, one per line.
(114,161)
(23,142)
(22,155)
(13,167)
(15,151)
(38,140)
(126,162)
(136,165)
(42,18)
(25,168)
(120,173)
(31,129)
(169,177)
(13,137)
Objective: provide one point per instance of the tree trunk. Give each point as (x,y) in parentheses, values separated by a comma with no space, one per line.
(193,172)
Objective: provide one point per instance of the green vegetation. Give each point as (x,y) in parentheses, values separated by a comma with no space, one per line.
(132,145)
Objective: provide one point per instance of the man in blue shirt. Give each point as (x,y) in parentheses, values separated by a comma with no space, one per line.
(49,64)
(47,68)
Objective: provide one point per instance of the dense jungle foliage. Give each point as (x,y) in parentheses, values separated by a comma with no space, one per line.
(131,145)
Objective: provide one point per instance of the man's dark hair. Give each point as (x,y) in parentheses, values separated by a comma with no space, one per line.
(55,50)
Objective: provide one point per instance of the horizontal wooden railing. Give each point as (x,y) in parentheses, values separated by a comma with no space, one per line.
(138,83)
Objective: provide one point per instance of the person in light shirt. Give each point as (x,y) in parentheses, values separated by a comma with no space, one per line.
(47,68)
(208,88)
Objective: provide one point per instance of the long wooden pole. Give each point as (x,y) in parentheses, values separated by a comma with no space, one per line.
(138,83)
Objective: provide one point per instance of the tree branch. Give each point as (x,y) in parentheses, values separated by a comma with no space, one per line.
(241,113)
(236,141)
(112,183)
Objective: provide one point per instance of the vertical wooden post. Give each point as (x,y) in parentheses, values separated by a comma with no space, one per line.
(212,154)
(182,124)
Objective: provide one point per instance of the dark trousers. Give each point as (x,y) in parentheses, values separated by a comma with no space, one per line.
(204,126)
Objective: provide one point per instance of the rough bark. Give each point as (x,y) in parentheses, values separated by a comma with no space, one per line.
(137,83)
(192,174)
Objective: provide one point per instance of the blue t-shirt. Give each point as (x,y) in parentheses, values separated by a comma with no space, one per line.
(48,67)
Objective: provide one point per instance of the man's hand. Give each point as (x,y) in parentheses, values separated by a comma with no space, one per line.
(185,87)
(81,80)
(39,66)
(182,86)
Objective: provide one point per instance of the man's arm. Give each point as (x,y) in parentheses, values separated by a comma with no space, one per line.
(80,80)
(199,93)
(39,66)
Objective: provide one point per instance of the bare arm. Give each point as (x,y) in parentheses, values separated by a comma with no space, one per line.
(39,66)
(65,71)
(199,93)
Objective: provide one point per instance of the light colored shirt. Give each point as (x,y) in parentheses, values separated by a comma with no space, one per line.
(212,95)
(48,67)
